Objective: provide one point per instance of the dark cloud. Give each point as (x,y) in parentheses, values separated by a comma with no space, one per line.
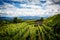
(56,1)
(4,14)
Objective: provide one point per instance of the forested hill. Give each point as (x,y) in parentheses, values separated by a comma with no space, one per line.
(53,22)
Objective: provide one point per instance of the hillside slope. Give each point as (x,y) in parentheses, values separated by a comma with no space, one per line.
(53,22)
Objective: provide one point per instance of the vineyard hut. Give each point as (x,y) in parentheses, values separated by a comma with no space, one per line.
(38,22)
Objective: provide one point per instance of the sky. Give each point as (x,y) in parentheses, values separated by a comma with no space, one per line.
(42,8)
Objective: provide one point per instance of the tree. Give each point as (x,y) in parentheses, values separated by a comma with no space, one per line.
(15,20)
(41,19)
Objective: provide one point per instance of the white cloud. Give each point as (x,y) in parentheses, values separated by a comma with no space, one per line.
(11,10)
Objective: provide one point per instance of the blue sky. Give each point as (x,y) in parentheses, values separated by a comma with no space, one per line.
(40,8)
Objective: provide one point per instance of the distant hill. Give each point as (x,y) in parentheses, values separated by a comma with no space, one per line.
(22,17)
(6,18)
(30,17)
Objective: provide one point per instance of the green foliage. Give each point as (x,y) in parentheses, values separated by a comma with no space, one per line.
(51,21)
(4,22)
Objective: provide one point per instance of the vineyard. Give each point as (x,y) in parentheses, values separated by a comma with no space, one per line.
(31,30)
(24,31)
